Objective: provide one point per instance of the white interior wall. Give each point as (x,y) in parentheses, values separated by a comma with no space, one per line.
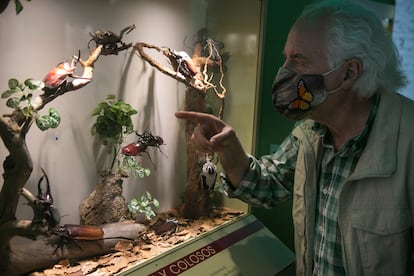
(50,31)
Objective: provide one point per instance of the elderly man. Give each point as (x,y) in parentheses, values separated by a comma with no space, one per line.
(349,161)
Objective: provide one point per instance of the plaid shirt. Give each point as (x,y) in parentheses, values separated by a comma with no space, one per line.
(336,167)
(270,180)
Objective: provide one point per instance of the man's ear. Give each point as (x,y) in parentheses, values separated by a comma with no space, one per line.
(353,71)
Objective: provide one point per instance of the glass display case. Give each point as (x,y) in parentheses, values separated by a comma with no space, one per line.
(57,42)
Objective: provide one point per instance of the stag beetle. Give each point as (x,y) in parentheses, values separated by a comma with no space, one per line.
(48,213)
(111,42)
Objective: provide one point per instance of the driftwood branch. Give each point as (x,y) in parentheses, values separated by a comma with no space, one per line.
(13,128)
(18,164)
(74,84)
(196,200)
(195,82)
(43,253)
(202,81)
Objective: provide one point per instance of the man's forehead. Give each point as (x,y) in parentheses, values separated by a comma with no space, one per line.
(304,41)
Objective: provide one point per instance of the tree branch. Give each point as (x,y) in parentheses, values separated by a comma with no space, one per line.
(196,82)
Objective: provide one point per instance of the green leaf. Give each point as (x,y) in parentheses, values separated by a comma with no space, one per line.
(111,97)
(54,113)
(34,84)
(144,204)
(13,103)
(7,93)
(19,6)
(13,84)
(42,122)
(98,109)
(53,123)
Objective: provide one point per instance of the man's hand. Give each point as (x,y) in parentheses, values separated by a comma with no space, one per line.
(213,135)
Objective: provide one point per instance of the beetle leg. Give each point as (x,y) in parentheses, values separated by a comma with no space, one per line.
(126,30)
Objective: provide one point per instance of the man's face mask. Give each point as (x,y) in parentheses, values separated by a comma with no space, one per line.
(295,95)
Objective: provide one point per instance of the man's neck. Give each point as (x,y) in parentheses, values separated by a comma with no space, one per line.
(347,121)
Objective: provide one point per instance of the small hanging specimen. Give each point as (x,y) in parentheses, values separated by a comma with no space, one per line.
(208,174)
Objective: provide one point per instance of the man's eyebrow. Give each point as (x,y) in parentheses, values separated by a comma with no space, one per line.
(298,57)
(294,56)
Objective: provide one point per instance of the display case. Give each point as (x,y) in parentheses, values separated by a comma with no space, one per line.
(54,155)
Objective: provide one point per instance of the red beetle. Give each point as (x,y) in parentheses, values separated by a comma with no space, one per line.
(145,140)
(57,76)
(134,149)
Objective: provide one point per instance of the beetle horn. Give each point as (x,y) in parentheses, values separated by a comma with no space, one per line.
(44,196)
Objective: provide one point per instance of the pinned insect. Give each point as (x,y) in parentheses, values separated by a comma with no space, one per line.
(182,63)
(48,214)
(58,75)
(208,174)
(79,232)
(111,42)
(72,233)
(144,141)
(166,227)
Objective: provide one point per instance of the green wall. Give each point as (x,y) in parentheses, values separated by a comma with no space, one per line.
(272,128)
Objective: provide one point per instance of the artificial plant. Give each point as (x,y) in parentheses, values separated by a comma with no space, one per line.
(26,101)
(113,124)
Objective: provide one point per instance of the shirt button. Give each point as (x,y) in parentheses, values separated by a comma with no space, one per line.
(320,229)
(325,191)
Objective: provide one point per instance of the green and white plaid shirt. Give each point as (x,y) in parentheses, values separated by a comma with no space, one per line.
(336,167)
(270,180)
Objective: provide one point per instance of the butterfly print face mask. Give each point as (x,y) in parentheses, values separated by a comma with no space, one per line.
(294,95)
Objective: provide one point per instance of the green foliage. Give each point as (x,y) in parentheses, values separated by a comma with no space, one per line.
(130,164)
(113,120)
(19,5)
(19,97)
(144,205)
(48,121)
(113,124)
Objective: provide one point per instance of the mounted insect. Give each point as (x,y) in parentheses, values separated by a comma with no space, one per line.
(47,213)
(208,174)
(181,62)
(72,233)
(144,141)
(59,75)
(79,232)
(166,227)
(111,42)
